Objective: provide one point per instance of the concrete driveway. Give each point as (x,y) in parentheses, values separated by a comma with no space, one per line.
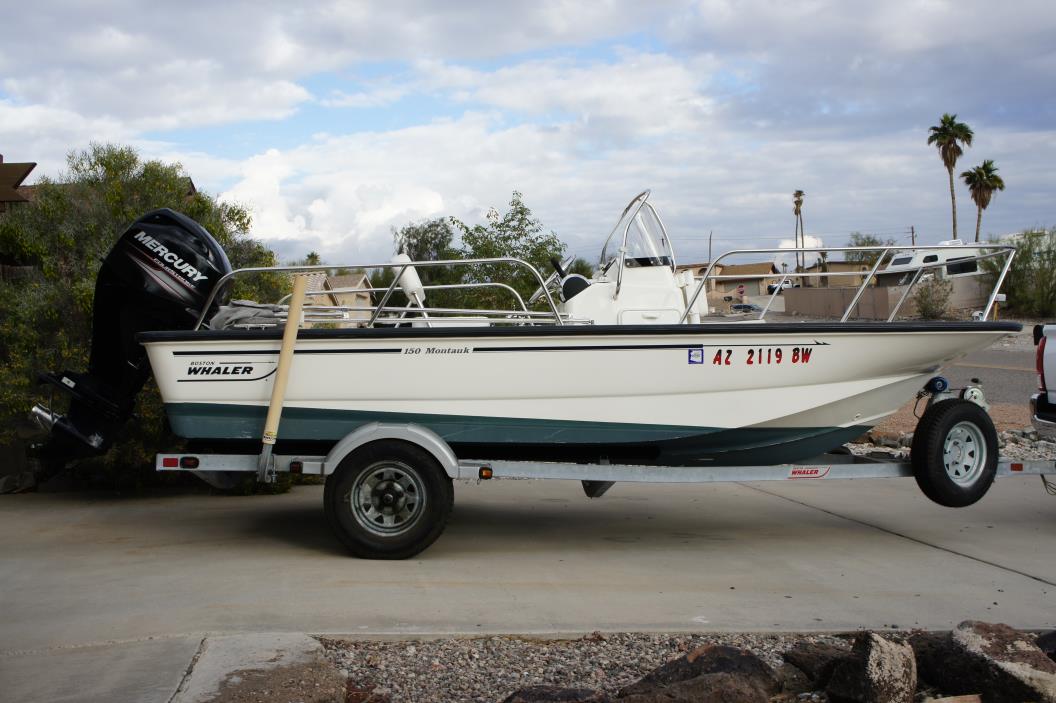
(530,556)
(109,598)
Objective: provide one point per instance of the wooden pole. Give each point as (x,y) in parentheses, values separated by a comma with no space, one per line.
(282,375)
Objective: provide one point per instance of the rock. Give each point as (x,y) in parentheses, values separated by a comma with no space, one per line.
(816,660)
(8,484)
(556,694)
(880,671)
(993,660)
(355,694)
(710,659)
(929,650)
(793,681)
(886,440)
(1047,644)
(709,688)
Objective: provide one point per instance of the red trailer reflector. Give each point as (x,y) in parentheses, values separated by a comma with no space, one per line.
(170,462)
(296,467)
(188,462)
(1017,467)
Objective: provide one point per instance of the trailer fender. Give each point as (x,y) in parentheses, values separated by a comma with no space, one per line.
(415,434)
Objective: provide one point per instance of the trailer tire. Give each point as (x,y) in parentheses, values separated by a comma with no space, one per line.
(388,499)
(954,453)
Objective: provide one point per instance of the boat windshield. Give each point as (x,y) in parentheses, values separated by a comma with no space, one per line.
(641,235)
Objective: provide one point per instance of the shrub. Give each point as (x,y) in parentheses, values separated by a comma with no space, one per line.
(1030,285)
(63,235)
(932,298)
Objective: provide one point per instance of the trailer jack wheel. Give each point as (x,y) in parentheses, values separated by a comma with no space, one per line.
(388,500)
(955,453)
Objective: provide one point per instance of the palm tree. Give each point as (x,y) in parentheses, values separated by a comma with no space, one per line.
(982,181)
(948,136)
(797,210)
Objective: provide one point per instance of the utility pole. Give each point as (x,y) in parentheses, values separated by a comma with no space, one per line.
(913,235)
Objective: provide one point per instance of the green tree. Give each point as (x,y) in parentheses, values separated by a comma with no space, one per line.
(313,259)
(64,233)
(947,137)
(582,267)
(429,240)
(1029,286)
(517,234)
(857,239)
(982,181)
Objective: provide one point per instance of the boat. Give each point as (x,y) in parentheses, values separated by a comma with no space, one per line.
(624,367)
(952,257)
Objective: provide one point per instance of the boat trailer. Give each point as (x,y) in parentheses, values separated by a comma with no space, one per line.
(825,467)
(383,478)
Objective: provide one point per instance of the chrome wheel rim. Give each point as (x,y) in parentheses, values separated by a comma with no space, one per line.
(964,453)
(388,498)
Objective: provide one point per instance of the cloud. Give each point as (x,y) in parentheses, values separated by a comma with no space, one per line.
(806,259)
(377,96)
(640,93)
(818,68)
(722,108)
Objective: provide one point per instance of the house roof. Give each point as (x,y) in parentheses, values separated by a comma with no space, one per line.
(841,266)
(357,279)
(763,268)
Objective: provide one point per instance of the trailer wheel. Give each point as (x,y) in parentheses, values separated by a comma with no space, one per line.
(388,500)
(954,453)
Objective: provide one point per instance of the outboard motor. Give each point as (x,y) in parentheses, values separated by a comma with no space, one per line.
(157,277)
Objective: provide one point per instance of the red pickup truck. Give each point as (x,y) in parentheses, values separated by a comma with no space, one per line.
(1043,403)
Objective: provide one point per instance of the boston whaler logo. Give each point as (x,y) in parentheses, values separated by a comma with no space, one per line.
(229,371)
(162,252)
(808,472)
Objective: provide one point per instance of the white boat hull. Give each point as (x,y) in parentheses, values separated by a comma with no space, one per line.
(665,394)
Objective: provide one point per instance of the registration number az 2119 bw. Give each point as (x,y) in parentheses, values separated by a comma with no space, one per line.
(762,356)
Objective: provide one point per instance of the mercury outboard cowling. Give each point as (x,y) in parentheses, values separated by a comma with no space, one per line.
(157,277)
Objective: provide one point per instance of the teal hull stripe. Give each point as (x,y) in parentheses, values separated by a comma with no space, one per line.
(209,421)
(214,421)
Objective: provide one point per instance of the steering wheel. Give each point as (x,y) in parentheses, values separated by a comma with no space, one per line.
(560,271)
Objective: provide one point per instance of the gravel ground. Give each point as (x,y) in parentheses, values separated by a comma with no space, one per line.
(1014,444)
(1006,416)
(489,669)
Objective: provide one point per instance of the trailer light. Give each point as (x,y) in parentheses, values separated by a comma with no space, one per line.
(188,462)
(1017,467)
(484,473)
(296,467)
(170,462)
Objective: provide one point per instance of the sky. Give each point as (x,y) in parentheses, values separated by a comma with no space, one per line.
(335,122)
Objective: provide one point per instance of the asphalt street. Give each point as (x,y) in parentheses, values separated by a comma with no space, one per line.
(1007,376)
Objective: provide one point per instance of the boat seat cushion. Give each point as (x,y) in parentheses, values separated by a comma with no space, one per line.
(246,313)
